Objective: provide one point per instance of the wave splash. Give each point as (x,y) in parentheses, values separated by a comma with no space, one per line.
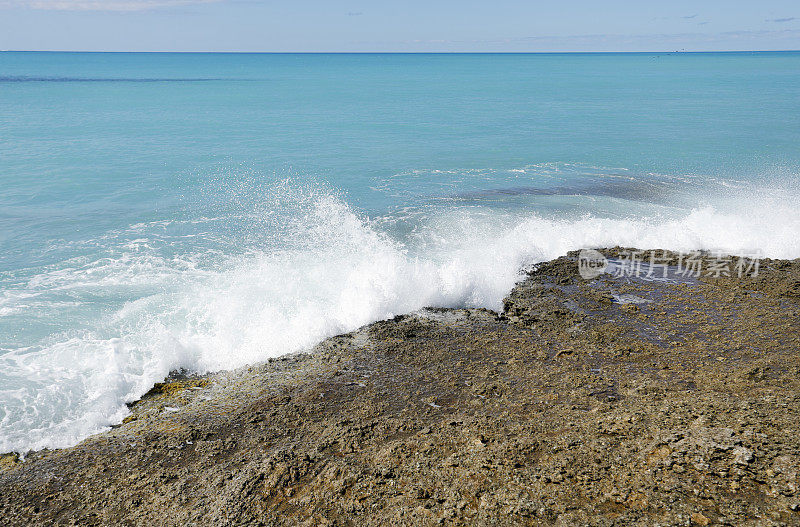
(330,271)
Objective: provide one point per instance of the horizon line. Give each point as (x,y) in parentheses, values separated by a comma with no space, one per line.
(403,52)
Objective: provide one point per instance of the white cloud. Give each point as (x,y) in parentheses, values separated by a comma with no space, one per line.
(730,40)
(100,5)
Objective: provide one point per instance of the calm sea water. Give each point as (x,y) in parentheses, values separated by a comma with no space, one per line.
(206,211)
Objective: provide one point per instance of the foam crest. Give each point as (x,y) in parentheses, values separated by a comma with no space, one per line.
(336,272)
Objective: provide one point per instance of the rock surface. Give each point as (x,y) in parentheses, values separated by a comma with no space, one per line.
(611,401)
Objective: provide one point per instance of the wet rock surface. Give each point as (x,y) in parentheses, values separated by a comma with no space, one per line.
(611,401)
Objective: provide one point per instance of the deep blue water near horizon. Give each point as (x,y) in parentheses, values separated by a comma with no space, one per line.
(206,211)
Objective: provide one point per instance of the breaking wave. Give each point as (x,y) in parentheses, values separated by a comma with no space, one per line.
(293,266)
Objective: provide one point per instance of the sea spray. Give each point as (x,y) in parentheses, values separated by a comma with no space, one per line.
(278,271)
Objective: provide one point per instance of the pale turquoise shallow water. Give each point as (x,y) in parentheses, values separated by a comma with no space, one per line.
(205,211)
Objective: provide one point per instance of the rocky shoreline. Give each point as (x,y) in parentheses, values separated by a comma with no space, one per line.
(609,401)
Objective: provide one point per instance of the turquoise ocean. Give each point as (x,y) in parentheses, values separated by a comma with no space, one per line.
(208,211)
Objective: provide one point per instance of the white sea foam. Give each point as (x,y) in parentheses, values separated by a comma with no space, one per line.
(335,272)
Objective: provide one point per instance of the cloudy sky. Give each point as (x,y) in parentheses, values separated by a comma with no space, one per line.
(410,25)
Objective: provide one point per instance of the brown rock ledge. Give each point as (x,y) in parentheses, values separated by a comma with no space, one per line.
(603,402)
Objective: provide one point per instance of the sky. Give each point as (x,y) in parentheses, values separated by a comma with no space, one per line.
(407,26)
